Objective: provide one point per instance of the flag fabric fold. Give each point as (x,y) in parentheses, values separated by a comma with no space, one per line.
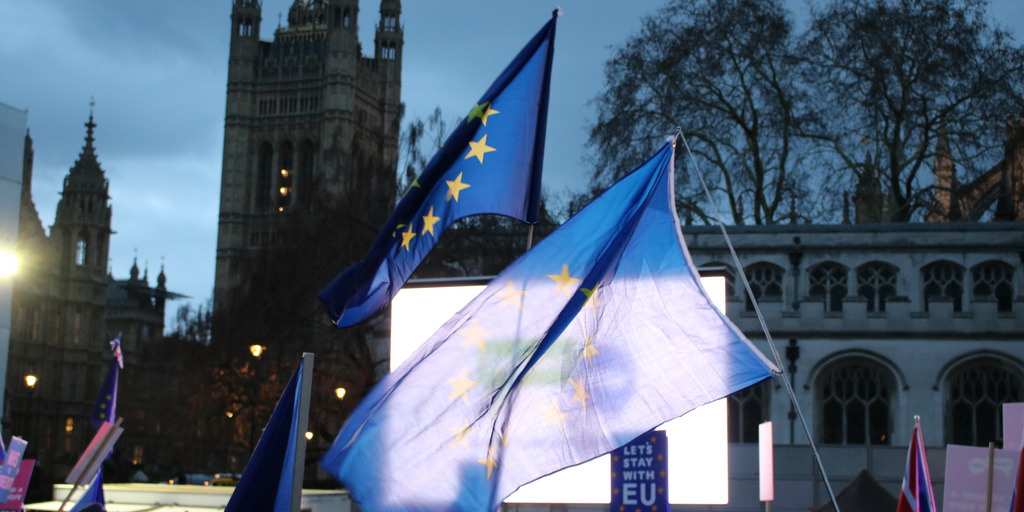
(917,494)
(106,402)
(596,335)
(490,164)
(266,482)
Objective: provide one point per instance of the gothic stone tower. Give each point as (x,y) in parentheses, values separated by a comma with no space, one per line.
(309,122)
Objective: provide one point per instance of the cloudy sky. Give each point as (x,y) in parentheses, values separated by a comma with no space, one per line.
(157,72)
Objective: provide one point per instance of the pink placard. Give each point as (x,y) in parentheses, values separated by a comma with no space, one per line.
(16,499)
(966,488)
(1013,425)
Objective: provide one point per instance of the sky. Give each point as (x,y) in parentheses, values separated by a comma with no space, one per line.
(157,73)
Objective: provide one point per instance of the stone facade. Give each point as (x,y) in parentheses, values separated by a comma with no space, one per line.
(310,122)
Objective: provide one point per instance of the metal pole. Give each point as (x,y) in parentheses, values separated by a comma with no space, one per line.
(300,431)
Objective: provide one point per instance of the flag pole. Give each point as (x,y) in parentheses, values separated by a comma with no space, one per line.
(300,432)
(760,318)
(991,466)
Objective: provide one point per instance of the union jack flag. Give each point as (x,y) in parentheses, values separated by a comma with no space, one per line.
(917,494)
(115,345)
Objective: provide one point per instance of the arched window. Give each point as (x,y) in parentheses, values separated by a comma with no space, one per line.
(305,179)
(284,178)
(876,282)
(993,280)
(854,402)
(975,394)
(765,282)
(82,250)
(264,170)
(748,408)
(828,281)
(943,279)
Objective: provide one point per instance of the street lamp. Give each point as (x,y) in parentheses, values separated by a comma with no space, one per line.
(340,393)
(30,381)
(256,350)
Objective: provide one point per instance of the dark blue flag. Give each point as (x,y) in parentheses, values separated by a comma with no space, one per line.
(598,334)
(266,482)
(490,164)
(106,402)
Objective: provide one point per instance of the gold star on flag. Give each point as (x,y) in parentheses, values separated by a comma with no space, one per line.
(505,434)
(474,334)
(579,394)
(407,237)
(564,281)
(591,294)
(511,296)
(460,386)
(491,461)
(478,112)
(479,149)
(589,351)
(552,414)
(454,187)
(460,435)
(428,222)
(490,111)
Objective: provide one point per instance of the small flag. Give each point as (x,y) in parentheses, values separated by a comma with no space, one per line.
(115,345)
(106,401)
(93,496)
(598,334)
(266,482)
(917,494)
(490,164)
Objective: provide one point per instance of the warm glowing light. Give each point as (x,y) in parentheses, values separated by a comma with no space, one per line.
(229,414)
(256,350)
(283,190)
(339,392)
(30,381)
(309,436)
(280,208)
(284,173)
(8,263)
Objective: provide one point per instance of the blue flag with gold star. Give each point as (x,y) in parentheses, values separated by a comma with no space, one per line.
(106,401)
(491,163)
(598,334)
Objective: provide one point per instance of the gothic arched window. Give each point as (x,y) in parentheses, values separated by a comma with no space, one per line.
(284,178)
(748,408)
(943,279)
(81,250)
(305,178)
(855,398)
(993,280)
(828,281)
(975,394)
(765,282)
(876,282)
(264,169)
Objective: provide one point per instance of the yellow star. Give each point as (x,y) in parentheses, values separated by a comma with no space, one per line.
(478,112)
(505,434)
(592,299)
(511,296)
(460,386)
(407,237)
(460,434)
(589,351)
(554,415)
(491,461)
(580,395)
(490,111)
(454,187)
(479,149)
(428,222)
(564,281)
(475,334)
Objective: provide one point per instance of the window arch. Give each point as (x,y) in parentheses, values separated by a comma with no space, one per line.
(264,169)
(82,249)
(855,396)
(305,178)
(748,408)
(943,279)
(993,280)
(876,282)
(975,392)
(828,281)
(765,282)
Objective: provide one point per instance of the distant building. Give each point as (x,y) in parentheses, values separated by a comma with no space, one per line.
(309,121)
(66,307)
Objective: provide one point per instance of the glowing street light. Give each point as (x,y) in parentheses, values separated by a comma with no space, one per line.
(8,263)
(339,392)
(30,381)
(309,436)
(256,350)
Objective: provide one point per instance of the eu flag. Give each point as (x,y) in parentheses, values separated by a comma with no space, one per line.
(598,334)
(106,401)
(491,163)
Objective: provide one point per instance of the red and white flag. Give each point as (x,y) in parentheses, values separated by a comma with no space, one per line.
(917,494)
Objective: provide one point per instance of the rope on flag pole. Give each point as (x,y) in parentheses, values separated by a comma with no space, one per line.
(760,318)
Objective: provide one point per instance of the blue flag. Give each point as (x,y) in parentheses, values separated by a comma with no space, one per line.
(93,498)
(598,334)
(266,482)
(106,402)
(490,164)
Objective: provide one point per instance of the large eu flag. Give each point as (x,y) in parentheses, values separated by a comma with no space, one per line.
(106,401)
(599,333)
(491,163)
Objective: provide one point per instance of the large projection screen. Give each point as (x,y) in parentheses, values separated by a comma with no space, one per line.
(698,445)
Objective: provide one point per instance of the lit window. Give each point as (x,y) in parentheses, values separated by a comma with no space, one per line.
(284,173)
(283,191)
